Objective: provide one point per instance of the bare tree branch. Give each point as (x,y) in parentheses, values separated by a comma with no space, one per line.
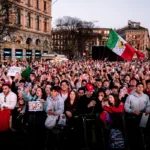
(75,33)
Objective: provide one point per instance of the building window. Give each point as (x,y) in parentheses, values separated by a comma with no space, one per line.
(28,2)
(18,17)
(28,20)
(45,25)
(37,4)
(44,5)
(6,15)
(37,22)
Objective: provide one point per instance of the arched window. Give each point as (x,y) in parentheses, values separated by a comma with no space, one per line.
(37,42)
(29,41)
(37,23)
(28,20)
(18,17)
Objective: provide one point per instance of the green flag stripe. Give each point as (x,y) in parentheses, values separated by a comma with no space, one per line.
(112,40)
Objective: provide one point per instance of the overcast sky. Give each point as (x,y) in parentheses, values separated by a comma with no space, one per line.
(106,13)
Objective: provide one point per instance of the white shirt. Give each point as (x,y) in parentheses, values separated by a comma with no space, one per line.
(11,100)
(64,96)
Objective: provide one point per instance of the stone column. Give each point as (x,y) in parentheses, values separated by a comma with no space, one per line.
(24,54)
(13,52)
(33,54)
(1,53)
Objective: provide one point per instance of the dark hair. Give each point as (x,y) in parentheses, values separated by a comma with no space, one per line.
(43,93)
(84,81)
(115,87)
(76,96)
(116,99)
(147,81)
(101,91)
(22,81)
(105,81)
(140,83)
(54,88)
(81,88)
(64,81)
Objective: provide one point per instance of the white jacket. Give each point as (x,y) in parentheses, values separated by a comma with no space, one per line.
(11,100)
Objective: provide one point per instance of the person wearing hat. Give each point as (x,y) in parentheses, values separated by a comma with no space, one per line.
(87,102)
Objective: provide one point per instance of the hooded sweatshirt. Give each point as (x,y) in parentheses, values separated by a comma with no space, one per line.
(136,103)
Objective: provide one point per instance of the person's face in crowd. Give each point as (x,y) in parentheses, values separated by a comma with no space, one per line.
(107,92)
(39,92)
(100,96)
(84,83)
(111,99)
(72,95)
(64,86)
(106,84)
(125,85)
(127,79)
(117,84)
(20,95)
(89,93)
(54,93)
(122,76)
(47,89)
(63,77)
(133,83)
(21,102)
(81,93)
(139,89)
(21,84)
(6,90)
(32,77)
(148,86)
(116,75)
(115,91)
(125,90)
(99,84)
(56,81)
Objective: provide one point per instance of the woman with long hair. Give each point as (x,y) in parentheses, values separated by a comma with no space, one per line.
(70,112)
(115,109)
(71,107)
(36,118)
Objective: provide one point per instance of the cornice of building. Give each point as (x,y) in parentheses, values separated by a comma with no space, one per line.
(31,31)
(128,28)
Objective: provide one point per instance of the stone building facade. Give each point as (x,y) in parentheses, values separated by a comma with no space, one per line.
(136,35)
(32,37)
(99,38)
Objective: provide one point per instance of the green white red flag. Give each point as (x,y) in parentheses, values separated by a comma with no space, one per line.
(119,46)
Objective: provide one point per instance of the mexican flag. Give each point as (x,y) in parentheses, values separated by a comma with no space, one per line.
(119,46)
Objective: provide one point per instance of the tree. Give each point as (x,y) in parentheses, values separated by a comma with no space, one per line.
(6,20)
(75,34)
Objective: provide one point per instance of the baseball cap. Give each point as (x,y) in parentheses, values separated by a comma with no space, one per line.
(89,87)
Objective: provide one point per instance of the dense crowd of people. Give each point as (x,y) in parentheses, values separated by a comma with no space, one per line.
(84,104)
